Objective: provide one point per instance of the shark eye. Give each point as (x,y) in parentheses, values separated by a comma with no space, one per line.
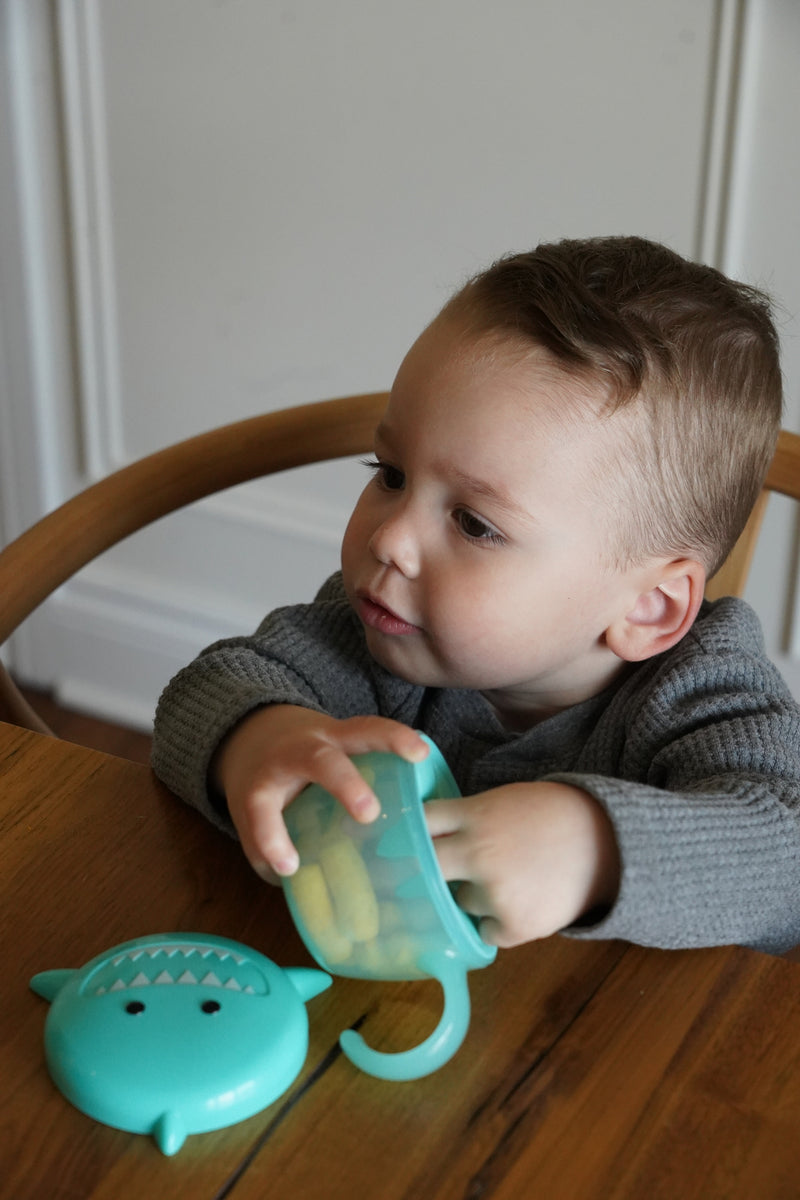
(210,1006)
(134,1008)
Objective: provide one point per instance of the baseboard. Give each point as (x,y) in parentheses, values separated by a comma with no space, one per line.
(106,645)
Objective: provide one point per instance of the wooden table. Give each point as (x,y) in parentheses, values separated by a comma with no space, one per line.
(591,1070)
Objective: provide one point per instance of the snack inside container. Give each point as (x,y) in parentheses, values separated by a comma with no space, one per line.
(370,901)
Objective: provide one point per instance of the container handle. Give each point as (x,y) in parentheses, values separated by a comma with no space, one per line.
(438,1048)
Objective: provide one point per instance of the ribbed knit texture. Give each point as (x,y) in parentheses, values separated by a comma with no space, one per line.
(695,755)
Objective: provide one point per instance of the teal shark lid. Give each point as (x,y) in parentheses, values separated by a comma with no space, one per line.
(176,1033)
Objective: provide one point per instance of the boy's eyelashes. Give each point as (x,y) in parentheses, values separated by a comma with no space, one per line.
(475,530)
(472,527)
(389,477)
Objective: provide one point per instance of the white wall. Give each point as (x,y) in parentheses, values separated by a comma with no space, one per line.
(208,210)
(763,245)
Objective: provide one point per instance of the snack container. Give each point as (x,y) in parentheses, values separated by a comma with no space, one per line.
(370,901)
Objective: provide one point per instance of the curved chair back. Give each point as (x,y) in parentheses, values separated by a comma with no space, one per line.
(52,550)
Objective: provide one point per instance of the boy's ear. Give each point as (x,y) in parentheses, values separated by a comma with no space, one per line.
(661,614)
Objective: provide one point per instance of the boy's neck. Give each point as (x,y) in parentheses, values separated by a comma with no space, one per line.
(519,711)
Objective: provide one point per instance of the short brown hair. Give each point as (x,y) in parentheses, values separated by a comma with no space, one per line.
(690,354)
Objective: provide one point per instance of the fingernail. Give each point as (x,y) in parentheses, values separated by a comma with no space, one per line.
(366,807)
(287,866)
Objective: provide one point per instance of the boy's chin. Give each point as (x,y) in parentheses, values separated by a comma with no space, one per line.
(402,668)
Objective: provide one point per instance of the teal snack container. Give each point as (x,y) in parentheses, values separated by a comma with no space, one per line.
(370,901)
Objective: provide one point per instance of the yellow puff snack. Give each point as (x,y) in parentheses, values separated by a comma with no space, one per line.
(354,901)
(400,953)
(368,955)
(391,916)
(306,820)
(393,955)
(310,894)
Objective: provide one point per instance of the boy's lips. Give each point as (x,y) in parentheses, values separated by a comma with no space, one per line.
(376,615)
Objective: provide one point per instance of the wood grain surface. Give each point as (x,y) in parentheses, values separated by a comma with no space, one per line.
(591,1070)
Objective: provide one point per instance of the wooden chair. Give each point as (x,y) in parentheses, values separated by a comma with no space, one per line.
(58,545)
(52,550)
(784,477)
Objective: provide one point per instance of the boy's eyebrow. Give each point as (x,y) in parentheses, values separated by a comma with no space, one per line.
(470,483)
(481,487)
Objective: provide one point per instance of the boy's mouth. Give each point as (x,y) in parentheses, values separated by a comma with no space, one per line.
(376,615)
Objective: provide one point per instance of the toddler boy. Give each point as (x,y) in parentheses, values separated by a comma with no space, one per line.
(570,449)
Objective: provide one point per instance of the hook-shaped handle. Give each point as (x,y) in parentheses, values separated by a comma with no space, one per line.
(440,1046)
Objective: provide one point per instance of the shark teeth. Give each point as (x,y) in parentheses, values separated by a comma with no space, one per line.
(185,950)
(178,956)
(209,980)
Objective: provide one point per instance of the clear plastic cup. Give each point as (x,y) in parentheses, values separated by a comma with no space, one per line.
(370,901)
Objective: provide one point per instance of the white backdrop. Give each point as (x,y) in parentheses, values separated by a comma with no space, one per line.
(212,209)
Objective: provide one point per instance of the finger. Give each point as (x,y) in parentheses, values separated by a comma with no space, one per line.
(444,817)
(492,932)
(451,852)
(265,839)
(333,770)
(474,901)
(359,735)
(472,898)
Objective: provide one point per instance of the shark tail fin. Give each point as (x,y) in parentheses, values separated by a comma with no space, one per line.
(169,1132)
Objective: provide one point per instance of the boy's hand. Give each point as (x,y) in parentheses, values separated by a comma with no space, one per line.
(270,756)
(533,857)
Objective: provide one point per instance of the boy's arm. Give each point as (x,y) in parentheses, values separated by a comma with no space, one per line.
(312,656)
(601,857)
(695,762)
(706,807)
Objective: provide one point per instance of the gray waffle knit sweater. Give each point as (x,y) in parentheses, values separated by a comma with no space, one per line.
(694,754)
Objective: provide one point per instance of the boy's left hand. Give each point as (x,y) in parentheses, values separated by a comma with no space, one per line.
(530,858)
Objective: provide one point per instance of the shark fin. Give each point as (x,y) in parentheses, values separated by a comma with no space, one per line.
(307,981)
(48,984)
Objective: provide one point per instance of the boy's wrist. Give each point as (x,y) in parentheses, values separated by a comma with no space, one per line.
(592,856)
(604,878)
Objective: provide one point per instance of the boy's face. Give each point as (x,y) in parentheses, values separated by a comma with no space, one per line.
(478,556)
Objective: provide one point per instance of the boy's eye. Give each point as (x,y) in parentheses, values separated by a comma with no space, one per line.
(390,478)
(475,529)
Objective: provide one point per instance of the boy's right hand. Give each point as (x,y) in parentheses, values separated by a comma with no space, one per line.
(271,755)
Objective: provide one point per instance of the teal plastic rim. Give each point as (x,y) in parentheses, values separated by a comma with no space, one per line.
(459,927)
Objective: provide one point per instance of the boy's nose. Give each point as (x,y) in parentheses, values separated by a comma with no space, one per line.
(393,543)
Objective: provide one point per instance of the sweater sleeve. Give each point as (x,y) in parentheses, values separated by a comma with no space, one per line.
(312,655)
(705,803)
